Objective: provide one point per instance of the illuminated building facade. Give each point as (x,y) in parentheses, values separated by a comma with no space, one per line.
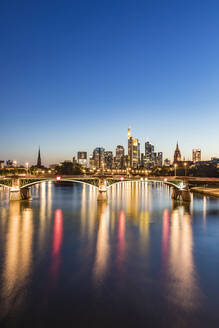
(82,158)
(196,155)
(99,157)
(167,162)
(120,153)
(108,159)
(133,151)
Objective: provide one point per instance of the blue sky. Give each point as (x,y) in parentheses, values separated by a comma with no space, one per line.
(75,74)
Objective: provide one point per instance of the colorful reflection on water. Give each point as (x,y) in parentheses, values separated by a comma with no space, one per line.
(138,258)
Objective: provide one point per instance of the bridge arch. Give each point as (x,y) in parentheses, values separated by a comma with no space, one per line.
(54,180)
(6,186)
(171,184)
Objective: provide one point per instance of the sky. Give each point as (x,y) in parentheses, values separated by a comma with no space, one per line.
(75,75)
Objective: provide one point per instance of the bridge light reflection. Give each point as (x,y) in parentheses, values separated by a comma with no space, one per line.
(57,242)
(184,289)
(102,248)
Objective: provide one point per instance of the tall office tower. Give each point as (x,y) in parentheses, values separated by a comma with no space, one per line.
(82,158)
(2,164)
(98,156)
(133,151)
(177,154)
(149,148)
(120,152)
(39,164)
(160,159)
(108,159)
(150,155)
(196,155)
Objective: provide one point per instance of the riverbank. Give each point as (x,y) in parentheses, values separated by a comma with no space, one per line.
(206,191)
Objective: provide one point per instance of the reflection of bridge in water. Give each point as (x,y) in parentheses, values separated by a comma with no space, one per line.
(20,188)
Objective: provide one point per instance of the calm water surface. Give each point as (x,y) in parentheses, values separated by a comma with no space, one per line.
(139,260)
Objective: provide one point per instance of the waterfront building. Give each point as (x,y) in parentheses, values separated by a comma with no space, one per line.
(82,158)
(177,155)
(196,155)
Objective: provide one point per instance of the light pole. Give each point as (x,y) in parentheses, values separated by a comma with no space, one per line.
(175,166)
(185,165)
(27,165)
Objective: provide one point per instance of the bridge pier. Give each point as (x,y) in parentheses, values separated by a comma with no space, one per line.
(102,196)
(102,192)
(183,195)
(19,193)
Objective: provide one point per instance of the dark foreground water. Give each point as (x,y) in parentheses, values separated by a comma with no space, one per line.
(138,260)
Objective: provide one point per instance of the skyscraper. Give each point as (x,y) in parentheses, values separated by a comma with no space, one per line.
(98,157)
(196,155)
(177,154)
(82,158)
(108,159)
(150,155)
(39,164)
(120,152)
(133,151)
(160,159)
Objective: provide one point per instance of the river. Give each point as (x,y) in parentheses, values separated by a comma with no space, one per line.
(137,260)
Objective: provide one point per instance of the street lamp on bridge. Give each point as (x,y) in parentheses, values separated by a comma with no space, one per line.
(27,166)
(175,166)
(185,166)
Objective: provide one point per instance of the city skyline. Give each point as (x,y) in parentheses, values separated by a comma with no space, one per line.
(92,69)
(142,151)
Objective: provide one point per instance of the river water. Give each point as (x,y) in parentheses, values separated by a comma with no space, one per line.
(137,260)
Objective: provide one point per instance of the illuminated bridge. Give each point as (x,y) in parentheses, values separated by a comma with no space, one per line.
(20,188)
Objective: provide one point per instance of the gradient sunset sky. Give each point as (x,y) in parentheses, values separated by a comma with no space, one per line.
(75,74)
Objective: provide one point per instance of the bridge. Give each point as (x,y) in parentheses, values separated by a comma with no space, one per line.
(20,188)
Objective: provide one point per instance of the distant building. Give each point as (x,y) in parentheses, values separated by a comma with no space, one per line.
(9,163)
(53,166)
(167,162)
(196,155)
(2,164)
(160,159)
(98,157)
(108,159)
(120,153)
(133,151)
(177,154)
(82,158)
(150,155)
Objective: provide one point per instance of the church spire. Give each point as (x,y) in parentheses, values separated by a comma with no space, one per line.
(177,154)
(39,159)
